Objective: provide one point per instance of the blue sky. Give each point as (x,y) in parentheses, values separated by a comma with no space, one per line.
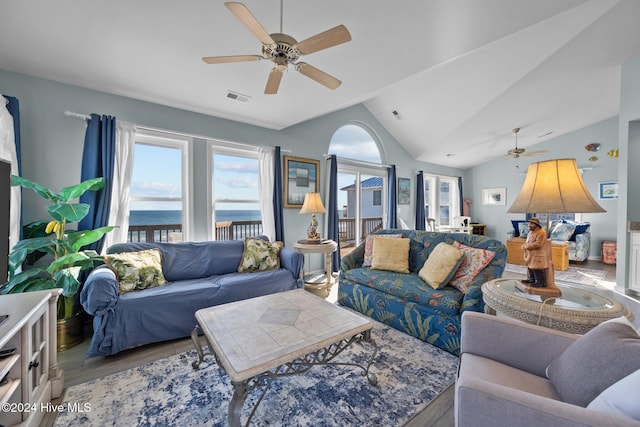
(157,173)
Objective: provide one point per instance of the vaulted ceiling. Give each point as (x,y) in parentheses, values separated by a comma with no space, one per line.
(460,74)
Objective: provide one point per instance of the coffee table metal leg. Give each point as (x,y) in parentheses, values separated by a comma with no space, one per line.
(196,343)
(235,406)
(373,380)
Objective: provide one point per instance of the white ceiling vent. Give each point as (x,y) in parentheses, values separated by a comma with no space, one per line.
(238,96)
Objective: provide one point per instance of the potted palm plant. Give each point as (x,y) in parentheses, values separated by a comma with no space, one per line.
(66,258)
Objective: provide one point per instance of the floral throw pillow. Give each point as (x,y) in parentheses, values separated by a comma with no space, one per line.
(473,262)
(260,255)
(563,231)
(368,246)
(136,271)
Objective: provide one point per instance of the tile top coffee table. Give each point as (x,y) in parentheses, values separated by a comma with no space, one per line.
(576,311)
(260,339)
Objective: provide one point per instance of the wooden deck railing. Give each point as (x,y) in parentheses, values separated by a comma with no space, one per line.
(152,233)
(237,230)
(225,230)
(347,228)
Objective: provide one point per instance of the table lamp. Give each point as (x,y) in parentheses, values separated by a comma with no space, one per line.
(312,205)
(553,186)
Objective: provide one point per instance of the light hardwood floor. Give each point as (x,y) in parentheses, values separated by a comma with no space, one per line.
(78,368)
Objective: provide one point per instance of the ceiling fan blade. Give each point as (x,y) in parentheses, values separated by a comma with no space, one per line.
(226,59)
(324,40)
(248,20)
(273,83)
(318,75)
(534,153)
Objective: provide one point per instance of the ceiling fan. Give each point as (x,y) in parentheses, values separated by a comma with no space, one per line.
(282,49)
(516,152)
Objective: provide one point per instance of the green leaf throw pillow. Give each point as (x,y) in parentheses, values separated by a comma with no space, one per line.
(260,255)
(136,270)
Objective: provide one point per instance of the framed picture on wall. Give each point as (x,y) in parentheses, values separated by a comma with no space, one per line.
(494,196)
(404,191)
(608,190)
(301,176)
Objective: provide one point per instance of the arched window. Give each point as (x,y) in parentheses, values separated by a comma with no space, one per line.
(356,143)
(362,184)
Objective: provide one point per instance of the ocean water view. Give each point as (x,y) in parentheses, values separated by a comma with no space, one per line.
(156,217)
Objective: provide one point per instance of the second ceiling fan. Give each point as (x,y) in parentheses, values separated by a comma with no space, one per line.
(517,152)
(282,49)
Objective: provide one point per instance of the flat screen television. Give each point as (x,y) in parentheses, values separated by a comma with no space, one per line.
(5,199)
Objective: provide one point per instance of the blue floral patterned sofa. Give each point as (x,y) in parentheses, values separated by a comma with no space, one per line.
(405,302)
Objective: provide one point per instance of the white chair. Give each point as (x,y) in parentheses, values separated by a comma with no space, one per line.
(431,224)
(462,224)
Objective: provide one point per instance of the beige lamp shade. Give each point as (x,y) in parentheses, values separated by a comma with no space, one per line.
(554,186)
(312,204)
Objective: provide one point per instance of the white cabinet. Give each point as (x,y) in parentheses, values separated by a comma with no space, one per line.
(634,262)
(32,374)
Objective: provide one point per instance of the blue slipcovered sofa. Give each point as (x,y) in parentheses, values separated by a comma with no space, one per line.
(407,303)
(199,275)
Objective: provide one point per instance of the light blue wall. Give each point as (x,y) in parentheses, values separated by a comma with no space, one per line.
(503,173)
(629,173)
(52,142)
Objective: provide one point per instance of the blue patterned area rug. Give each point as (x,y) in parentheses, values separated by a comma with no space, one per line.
(411,373)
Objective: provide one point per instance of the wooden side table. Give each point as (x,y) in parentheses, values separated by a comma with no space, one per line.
(319,284)
(479,229)
(559,253)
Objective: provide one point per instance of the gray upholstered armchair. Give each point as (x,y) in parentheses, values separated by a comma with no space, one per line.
(502,382)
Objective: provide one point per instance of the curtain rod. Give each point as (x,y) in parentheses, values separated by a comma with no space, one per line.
(193,135)
(80,116)
(87,117)
(356,162)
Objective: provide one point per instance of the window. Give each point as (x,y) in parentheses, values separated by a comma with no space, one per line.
(362,184)
(234,193)
(377,197)
(444,203)
(427,198)
(355,142)
(159,202)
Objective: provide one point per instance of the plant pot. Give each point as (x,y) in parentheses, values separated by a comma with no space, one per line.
(70,332)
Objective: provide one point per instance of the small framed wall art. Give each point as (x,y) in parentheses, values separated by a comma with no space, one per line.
(608,190)
(404,191)
(301,176)
(494,196)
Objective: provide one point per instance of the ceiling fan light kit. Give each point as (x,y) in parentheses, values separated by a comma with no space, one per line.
(282,49)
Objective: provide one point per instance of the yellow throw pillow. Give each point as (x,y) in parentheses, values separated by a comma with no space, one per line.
(391,254)
(442,264)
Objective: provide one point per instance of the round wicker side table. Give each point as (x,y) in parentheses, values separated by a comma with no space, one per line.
(576,311)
